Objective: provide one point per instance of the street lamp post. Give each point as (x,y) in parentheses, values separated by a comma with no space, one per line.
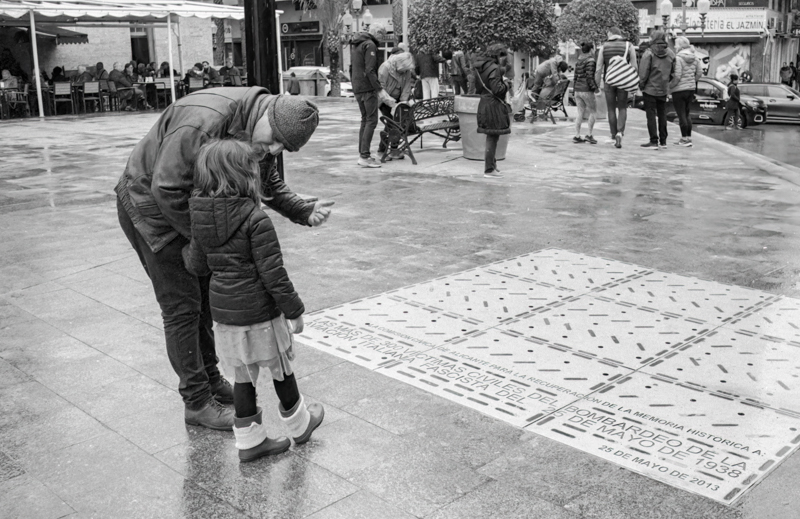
(666,14)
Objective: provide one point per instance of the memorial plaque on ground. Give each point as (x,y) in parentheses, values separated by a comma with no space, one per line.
(686,381)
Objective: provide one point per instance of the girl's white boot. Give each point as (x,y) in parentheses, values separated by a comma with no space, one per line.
(252,440)
(302,420)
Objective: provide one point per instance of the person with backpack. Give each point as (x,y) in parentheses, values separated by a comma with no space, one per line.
(585,88)
(688,69)
(655,73)
(616,97)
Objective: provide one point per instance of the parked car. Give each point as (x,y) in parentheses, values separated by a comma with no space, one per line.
(309,72)
(783,102)
(708,106)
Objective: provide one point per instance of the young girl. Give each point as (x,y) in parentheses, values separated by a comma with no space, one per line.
(253,303)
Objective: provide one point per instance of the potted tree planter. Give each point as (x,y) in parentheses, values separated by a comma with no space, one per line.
(526,26)
(473,143)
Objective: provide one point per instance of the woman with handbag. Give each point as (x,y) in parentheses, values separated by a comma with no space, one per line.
(493,111)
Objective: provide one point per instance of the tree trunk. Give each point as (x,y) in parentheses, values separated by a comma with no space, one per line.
(334,49)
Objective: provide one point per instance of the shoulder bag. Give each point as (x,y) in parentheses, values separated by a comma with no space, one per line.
(621,74)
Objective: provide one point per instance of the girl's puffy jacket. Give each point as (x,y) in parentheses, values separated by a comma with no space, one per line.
(688,69)
(584,74)
(235,242)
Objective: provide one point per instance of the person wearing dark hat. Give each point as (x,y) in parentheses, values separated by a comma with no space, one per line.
(153,209)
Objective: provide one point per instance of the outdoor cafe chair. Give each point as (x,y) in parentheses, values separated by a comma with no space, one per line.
(113,96)
(163,92)
(105,95)
(62,93)
(18,101)
(237,80)
(195,84)
(91,92)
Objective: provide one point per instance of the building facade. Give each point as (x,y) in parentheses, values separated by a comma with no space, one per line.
(750,38)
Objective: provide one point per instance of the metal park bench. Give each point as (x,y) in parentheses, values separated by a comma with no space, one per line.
(414,121)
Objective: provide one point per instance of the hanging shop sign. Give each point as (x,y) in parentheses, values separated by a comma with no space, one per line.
(722,21)
(300,28)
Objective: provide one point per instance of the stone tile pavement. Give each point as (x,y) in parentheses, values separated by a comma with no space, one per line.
(91,424)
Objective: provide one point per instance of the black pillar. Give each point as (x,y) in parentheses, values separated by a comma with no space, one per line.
(261,44)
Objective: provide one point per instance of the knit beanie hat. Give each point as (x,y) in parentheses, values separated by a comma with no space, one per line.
(293,121)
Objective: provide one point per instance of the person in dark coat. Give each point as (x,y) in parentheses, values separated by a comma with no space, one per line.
(254,305)
(367,88)
(122,78)
(656,70)
(428,71)
(58,76)
(100,72)
(733,107)
(211,75)
(163,71)
(228,71)
(153,209)
(493,112)
(294,84)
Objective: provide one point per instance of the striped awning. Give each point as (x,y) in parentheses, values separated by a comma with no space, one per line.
(63,12)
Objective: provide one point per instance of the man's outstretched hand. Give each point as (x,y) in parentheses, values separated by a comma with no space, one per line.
(320,213)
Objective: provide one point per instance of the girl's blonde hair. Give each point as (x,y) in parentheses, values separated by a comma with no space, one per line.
(682,42)
(227,168)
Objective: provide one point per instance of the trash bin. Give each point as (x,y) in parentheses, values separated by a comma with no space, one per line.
(473,143)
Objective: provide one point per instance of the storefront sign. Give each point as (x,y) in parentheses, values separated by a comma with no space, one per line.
(722,21)
(300,28)
(724,3)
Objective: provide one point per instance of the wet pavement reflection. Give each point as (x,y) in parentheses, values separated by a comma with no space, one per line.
(777,141)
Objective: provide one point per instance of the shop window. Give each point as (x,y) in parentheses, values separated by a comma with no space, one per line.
(306,4)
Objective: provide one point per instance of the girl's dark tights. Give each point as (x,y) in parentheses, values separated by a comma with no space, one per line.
(244,395)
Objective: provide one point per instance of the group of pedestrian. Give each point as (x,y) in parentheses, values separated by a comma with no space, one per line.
(662,72)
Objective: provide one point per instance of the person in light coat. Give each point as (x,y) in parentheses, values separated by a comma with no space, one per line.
(688,70)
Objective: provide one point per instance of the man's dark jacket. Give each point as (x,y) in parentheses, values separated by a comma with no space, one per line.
(235,241)
(428,64)
(158,179)
(120,79)
(364,58)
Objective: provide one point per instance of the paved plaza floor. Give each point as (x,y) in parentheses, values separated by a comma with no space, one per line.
(601,333)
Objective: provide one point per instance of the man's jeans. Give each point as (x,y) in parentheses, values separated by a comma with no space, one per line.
(656,108)
(616,99)
(682,101)
(183,299)
(459,84)
(368,104)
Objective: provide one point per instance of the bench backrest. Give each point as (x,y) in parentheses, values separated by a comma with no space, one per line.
(436,107)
